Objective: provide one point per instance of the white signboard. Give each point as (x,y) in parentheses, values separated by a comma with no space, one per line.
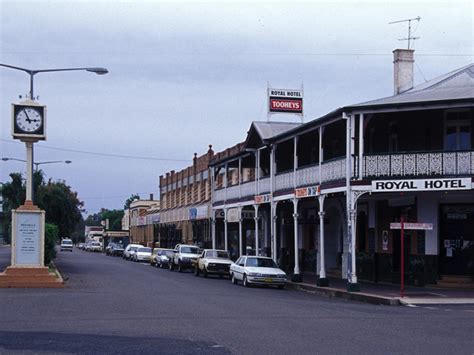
(282,100)
(421,185)
(415,226)
(28,238)
(233,215)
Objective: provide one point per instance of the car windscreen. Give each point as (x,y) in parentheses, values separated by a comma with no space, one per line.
(144,250)
(167,252)
(217,254)
(189,250)
(95,244)
(67,242)
(261,262)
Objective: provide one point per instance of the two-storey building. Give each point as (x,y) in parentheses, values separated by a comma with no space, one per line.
(144,217)
(185,204)
(326,194)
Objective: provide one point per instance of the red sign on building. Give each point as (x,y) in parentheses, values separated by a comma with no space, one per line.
(290,101)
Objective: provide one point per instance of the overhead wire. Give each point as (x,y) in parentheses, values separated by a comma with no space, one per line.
(102,154)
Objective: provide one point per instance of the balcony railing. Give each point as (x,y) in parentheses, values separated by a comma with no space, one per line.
(332,170)
(419,164)
(284,181)
(264,185)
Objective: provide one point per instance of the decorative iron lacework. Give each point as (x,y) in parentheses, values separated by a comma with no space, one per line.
(264,185)
(307,176)
(284,181)
(233,192)
(419,164)
(248,188)
(334,170)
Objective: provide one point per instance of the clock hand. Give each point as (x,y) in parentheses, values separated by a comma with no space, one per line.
(28,119)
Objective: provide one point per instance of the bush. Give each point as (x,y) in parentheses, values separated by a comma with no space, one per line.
(51,234)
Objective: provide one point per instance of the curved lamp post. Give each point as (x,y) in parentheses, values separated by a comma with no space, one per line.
(37,164)
(32,73)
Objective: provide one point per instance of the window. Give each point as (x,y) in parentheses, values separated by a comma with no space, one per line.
(457,130)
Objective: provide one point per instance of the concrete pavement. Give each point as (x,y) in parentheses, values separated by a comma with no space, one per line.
(387,294)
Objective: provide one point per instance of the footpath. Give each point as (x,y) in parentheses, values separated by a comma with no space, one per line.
(386,294)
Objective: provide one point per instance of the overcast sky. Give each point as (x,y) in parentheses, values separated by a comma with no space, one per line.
(184,75)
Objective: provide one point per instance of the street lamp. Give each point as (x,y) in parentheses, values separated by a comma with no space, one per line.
(32,73)
(41,162)
(29,145)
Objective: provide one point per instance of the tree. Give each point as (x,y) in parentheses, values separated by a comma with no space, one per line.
(129,201)
(114,217)
(62,205)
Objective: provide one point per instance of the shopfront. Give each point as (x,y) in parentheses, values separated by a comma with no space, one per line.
(456,242)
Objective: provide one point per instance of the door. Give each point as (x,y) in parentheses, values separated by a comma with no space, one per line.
(456,249)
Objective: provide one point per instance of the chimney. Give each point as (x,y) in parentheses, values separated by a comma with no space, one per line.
(402,70)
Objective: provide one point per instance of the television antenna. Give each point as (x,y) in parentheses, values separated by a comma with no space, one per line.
(409,20)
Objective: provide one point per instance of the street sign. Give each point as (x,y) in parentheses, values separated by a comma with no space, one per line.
(413,226)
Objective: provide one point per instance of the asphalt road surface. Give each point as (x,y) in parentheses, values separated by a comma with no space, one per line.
(112,306)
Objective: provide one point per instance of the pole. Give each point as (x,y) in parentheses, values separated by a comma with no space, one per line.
(29,171)
(402,258)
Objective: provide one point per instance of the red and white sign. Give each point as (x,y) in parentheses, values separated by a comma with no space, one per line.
(262,199)
(307,192)
(414,226)
(281,100)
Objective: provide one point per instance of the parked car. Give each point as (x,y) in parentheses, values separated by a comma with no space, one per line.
(213,262)
(155,255)
(114,249)
(66,244)
(184,257)
(163,257)
(142,254)
(127,253)
(80,246)
(95,246)
(257,270)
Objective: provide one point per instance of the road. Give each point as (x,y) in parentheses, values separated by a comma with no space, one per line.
(114,306)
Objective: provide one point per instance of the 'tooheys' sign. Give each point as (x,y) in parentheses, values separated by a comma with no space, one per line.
(281,100)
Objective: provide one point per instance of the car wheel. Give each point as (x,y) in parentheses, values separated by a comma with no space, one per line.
(245,283)
(221,276)
(196,271)
(234,280)
(170,266)
(204,272)
(281,287)
(180,268)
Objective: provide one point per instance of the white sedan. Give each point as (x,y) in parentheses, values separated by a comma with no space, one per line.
(257,270)
(142,254)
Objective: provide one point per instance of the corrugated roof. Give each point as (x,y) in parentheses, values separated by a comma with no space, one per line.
(455,85)
(268,130)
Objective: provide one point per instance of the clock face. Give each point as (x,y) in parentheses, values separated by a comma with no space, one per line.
(29,119)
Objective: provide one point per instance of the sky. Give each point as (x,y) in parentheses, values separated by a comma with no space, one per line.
(183,75)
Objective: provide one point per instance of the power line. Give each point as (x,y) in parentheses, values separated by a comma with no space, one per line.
(250,54)
(103,154)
